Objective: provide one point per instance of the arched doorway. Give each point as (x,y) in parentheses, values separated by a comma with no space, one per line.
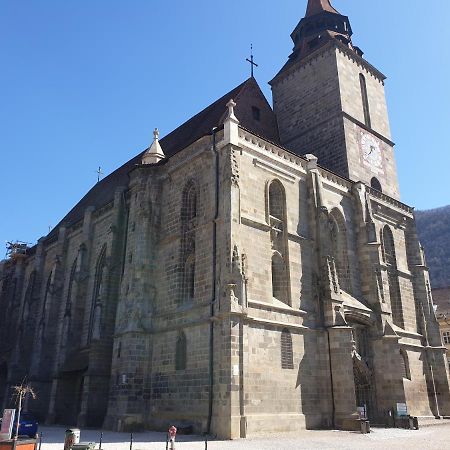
(362,372)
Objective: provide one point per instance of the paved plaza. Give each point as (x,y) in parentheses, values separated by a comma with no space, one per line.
(430,437)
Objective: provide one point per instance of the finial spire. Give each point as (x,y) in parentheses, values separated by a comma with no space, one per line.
(231,125)
(155,153)
(231,116)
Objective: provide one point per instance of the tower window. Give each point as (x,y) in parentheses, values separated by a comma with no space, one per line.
(365,100)
(375,184)
(256,113)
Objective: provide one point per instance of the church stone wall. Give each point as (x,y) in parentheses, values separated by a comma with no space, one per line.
(156,391)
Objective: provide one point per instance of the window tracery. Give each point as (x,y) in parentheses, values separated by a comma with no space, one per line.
(276,205)
(390,259)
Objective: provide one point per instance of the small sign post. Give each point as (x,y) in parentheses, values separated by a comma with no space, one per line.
(7,424)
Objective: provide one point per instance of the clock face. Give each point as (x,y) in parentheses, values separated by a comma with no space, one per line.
(371,153)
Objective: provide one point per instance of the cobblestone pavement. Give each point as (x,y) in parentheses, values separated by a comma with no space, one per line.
(431,437)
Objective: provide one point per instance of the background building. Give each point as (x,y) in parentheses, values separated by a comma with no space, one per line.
(441,299)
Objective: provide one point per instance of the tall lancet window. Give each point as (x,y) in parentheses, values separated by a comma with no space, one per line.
(189,217)
(276,205)
(389,256)
(365,100)
(68,310)
(279,278)
(339,249)
(98,297)
(29,300)
(28,320)
(42,324)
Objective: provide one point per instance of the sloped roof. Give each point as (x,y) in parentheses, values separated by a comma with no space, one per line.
(247,96)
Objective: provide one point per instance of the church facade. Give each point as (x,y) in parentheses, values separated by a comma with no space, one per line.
(253,271)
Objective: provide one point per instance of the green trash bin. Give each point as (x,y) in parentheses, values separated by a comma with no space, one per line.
(84,446)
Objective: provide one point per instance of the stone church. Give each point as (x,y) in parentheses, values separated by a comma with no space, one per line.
(253,271)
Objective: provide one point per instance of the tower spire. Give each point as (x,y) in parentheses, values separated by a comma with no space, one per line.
(322,23)
(317,6)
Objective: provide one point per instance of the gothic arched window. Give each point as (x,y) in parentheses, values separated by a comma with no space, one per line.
(406,372)
(277,201)
(189,206)
(41,327)
(67,321)
(189,278)
(279,278)
(389,247)
(98,296)
(277,218)
(389,256)
(189,217)
(47,296)
(73,272)
(375,184)
(365,100)
(180,352)
(287,356)
(339,249)
(29,297)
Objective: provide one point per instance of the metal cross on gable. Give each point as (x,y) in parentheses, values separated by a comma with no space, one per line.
(99,173)
(251,61)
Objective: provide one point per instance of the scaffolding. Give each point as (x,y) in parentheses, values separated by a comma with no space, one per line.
(17,248)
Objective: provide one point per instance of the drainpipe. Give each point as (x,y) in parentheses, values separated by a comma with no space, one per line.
(214,276)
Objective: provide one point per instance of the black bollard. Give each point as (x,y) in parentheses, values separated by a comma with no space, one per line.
(40,440)
(131,441)
(167,442)
(206,442)
(101,440)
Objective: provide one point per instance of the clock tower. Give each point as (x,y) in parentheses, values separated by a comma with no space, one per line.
(331,102)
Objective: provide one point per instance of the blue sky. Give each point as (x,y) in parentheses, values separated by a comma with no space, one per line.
(83,83)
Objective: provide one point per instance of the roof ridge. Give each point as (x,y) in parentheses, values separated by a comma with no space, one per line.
(181,137)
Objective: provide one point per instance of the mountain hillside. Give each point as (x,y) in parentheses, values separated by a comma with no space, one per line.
(433,227)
